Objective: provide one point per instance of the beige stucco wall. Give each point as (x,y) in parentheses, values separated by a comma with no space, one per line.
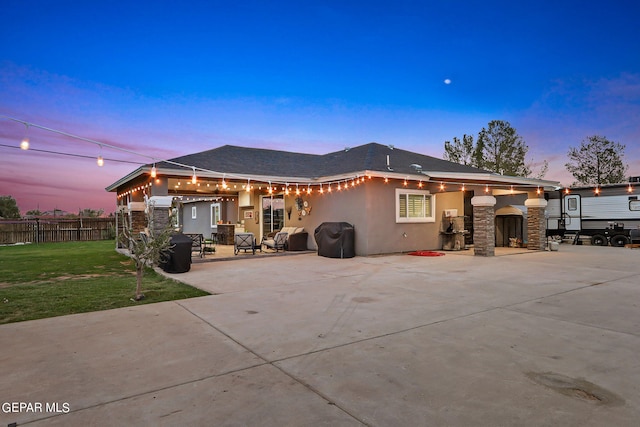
(370,208)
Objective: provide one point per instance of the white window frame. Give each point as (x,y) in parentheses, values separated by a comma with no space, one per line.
(428,217)
(194,212)
(215,214)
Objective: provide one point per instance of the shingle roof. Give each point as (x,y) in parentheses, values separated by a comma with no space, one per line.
(373,157)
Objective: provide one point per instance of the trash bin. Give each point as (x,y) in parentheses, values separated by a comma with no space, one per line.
(335,240)
(178,259)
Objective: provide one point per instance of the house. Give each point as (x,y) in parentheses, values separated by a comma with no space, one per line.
(397,200)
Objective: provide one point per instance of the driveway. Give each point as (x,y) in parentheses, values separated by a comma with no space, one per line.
(531,339)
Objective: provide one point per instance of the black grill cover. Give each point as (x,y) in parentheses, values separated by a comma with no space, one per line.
(335,240)
(178,260)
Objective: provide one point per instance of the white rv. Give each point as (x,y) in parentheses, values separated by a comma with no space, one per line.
(606,213)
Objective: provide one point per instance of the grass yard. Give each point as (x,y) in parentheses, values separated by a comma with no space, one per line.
(54,279)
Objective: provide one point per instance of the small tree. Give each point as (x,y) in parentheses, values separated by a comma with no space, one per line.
(597,161)
(9,207)
(146,249)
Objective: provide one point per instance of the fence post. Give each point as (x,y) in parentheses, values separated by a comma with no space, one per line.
(37,230)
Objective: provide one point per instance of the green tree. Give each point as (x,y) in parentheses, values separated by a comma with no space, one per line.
(146,250)
(597,161)
(9,207)
(463,152)
(34,212)
(503,150)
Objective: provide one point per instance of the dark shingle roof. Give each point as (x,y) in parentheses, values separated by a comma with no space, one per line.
(258,161)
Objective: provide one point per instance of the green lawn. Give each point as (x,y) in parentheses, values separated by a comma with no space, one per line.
(54,279)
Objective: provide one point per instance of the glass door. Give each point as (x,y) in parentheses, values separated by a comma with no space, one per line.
(272,213)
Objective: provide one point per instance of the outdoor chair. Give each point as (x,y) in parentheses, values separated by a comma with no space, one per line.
(278,242)
(244,241)
(197,243)
(210,244)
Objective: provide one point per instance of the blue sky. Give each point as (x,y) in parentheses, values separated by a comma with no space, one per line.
(167,78)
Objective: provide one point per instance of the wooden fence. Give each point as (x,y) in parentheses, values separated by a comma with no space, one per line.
(56,230)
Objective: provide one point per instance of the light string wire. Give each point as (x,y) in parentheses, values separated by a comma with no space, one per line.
(156,160)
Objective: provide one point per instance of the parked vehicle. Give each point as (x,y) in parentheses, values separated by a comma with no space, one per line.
(605,214)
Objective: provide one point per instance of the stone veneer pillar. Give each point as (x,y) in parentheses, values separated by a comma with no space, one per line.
(536,224)
(161,206)
(484,225)
(137,217)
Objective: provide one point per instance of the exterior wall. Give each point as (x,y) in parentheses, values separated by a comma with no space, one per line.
(370,208)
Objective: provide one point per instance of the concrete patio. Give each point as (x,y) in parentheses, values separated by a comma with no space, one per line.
(530,339)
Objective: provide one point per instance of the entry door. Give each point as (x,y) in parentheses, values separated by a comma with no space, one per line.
(572,212)
(272,213)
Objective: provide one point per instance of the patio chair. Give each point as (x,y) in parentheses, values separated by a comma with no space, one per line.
(278,242)
(197,243)
(244,241)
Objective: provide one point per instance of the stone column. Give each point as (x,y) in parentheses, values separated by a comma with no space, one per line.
(484,225)
(161,206)
(536,224)
(137,217)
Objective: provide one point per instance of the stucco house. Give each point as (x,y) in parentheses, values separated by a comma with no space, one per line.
(396,200)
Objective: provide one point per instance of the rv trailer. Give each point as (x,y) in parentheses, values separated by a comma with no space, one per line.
(606,214)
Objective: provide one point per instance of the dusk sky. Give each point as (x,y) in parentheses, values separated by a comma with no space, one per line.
(168,78)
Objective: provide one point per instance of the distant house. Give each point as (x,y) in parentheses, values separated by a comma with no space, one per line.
(397,200)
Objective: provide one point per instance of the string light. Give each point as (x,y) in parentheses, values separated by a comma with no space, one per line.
(629,188)
(597,190)
(358,179)
(100,160)
(486,188)
(566,190)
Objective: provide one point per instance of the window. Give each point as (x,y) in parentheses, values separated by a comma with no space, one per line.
(194,212)
(572,204)
(215,215)
(414,206)
(634,205)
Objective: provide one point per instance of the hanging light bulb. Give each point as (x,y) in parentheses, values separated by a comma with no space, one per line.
(442,186)
(194,178)
(100,160)
(597,191)
(511,190)
(566,190)
(24,144)
(154,172)
(386,179)
(297,190)
(486,188)
(309,190)
(321,189)
(463,187)
(630,189)
(420,184)
(538,190)
(329,189)
(286,191)
(405,182)
(248,185)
